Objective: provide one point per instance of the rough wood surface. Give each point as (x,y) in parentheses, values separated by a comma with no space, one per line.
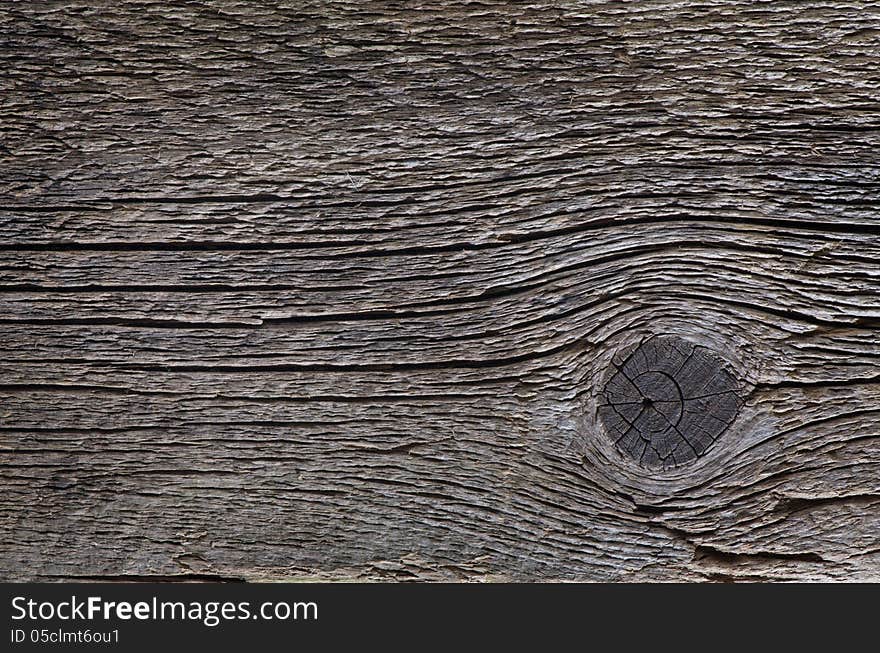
(332,289)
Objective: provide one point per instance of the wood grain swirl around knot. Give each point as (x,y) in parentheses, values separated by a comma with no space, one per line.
(668,401)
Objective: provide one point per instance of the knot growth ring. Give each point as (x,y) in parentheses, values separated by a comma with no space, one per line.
(668,401)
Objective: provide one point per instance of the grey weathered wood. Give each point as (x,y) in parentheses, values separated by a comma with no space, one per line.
(333,289)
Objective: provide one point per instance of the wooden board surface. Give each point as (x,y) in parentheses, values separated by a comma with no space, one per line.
(334,289)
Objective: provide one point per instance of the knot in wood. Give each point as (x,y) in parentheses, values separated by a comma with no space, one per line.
(668,401)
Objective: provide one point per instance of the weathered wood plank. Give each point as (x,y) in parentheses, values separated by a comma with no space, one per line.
(334,289)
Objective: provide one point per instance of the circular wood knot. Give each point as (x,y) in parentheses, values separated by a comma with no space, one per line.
(666,402)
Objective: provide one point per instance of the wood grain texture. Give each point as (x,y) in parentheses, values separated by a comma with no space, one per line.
(331,289)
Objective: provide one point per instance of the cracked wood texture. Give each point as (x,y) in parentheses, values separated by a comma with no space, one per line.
(331,289)
(668,401)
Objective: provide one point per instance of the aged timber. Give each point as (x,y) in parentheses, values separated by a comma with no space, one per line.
(337,290)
